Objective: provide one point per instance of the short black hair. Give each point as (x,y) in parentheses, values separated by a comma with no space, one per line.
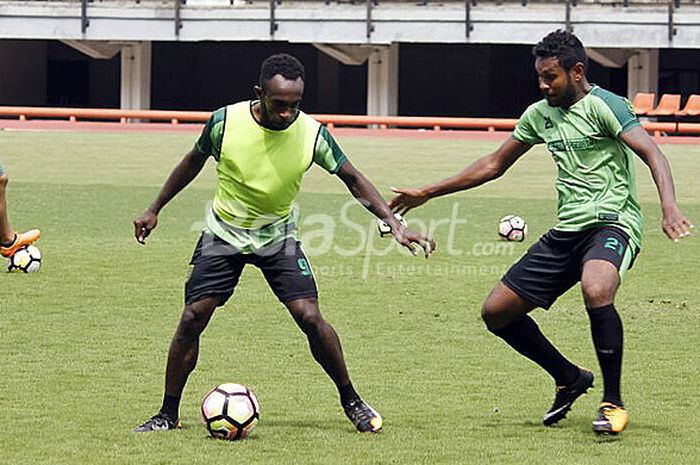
(565,47)
(283,64)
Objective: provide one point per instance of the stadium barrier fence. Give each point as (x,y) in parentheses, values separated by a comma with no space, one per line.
(672,25)
(375,122)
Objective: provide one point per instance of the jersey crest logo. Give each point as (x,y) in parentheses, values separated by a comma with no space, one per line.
(548,122)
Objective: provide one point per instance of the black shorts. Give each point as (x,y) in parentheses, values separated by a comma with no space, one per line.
(217,267)
(554,264)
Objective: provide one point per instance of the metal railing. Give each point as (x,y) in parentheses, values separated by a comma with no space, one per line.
(374,3)
(435,123)
(371,5)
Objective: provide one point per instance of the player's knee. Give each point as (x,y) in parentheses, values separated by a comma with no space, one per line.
(193,321)
(310,319)
(490,315)
(187,327)
(496,315)
(597,293)
(3,180)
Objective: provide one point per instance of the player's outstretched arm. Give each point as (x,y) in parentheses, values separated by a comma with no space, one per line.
(365,192)
(481,171)
(188,168)
(674,223)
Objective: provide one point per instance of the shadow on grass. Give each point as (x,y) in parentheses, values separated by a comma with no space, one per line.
(327,425)
(250,439)
(567,425)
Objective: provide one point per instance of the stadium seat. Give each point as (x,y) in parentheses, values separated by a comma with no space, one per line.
(643,103)
(692,107)
(669,104)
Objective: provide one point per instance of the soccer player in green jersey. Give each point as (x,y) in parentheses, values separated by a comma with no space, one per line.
(11,241)
(592,135)
(262,149)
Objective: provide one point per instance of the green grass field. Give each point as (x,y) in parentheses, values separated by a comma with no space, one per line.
(83,343)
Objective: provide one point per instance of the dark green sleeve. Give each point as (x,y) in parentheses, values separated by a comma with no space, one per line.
(327,152)
(209,142)
(615,114)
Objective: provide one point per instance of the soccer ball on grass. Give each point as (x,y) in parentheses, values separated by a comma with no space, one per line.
(512,228)
(230,411)
(25,260)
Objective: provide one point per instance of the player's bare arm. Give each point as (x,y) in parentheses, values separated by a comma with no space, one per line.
(188,169)
(485,169)
(675,224)
(363,190)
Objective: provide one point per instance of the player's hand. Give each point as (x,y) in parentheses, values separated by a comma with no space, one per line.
(144,224)
(675,224)
(408,238)
(407,199)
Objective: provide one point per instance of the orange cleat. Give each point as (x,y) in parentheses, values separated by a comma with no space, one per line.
(21,240)
(612,419)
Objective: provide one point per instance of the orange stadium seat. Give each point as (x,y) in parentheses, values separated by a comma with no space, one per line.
(643,103)
(692,107)
(669,104)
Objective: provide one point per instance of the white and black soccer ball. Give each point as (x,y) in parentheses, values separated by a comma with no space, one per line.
(512,228)
(385,229)
(230,411)
(25,260)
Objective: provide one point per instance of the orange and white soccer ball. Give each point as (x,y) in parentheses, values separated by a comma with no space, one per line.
(230,411)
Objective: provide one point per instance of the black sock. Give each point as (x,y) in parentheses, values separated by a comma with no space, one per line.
(7,244)
(525,336)
(171,406)
(347,394)
(606,329)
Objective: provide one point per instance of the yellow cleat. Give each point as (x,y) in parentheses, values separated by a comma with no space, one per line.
(612,419)
(21,240)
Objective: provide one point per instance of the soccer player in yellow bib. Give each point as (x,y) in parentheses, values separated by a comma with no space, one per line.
(11,241)
(593,136)
(262,149)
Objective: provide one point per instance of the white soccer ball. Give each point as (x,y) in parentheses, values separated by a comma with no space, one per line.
(385,229)
(230,411)
(25,260)
(512,228)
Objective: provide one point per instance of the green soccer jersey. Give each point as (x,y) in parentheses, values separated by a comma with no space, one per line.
(596,181)
(259,173)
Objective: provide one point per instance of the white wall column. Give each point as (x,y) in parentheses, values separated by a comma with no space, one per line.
(383,80)
(136,76)
(643,72)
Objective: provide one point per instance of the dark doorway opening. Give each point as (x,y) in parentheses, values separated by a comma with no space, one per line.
(68,83)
